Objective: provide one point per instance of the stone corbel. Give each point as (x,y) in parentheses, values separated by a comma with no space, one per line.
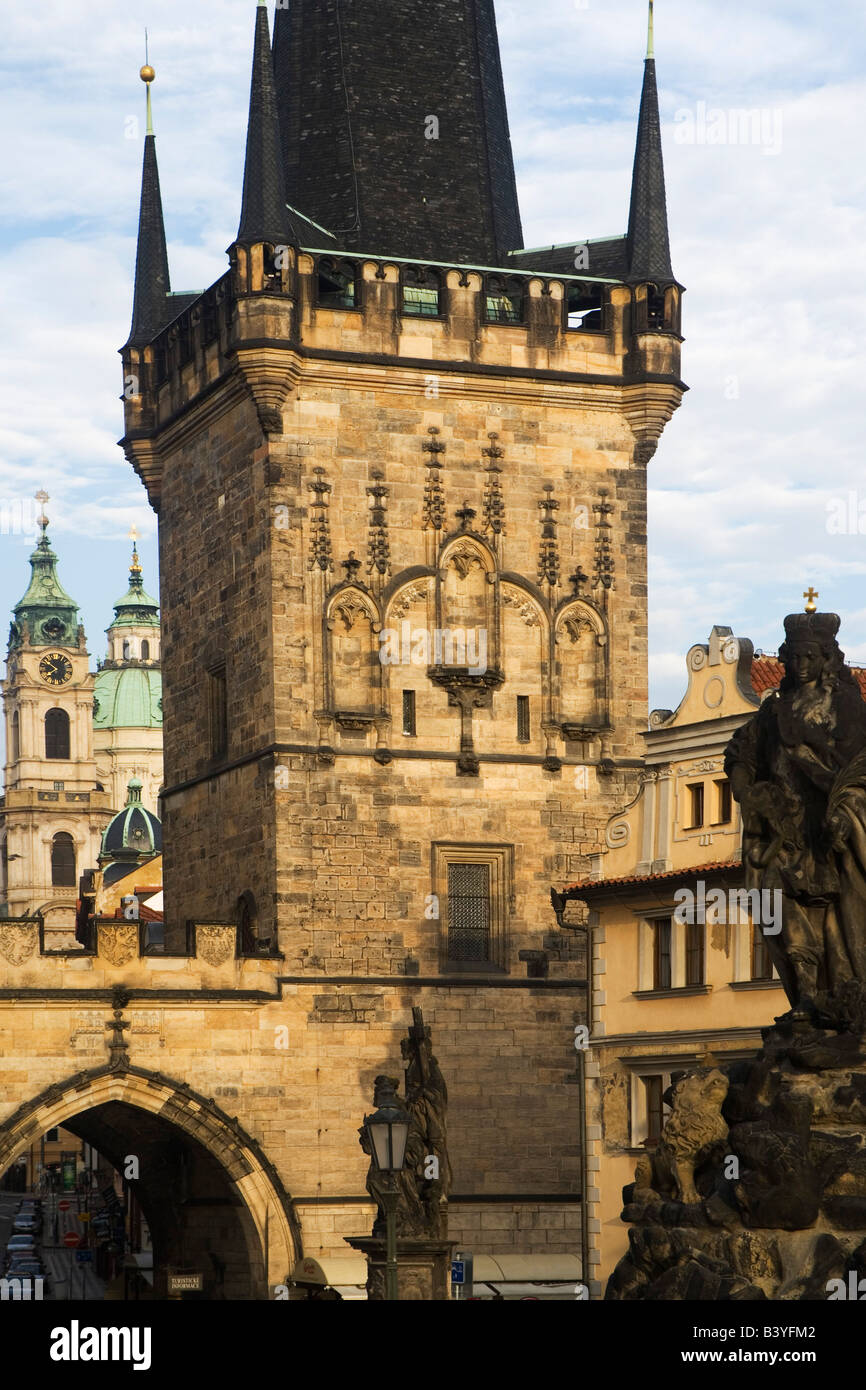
(466,692)
(269,381)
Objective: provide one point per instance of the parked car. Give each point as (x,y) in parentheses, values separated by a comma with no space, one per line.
(19,1243)
(27,1223)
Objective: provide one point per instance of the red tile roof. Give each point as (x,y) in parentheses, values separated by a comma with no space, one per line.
(689,871)
(767,673)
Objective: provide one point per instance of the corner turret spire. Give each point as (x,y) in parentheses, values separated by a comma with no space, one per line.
(264,215)
(649,252)
(152,285)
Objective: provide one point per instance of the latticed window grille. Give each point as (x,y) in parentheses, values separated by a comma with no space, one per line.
(523,718)
(468,911)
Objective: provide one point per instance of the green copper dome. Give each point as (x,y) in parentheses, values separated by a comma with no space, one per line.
(136,608)
(46,616)
(128,697)
(134,835)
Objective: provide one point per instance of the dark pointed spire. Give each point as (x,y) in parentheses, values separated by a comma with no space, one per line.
(264,216)
(649,252)
(152,285)
(399,144)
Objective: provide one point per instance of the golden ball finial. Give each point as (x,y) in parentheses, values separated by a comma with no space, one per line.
(147,73)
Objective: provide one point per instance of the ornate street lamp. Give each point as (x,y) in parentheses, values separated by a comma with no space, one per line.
(387,1134)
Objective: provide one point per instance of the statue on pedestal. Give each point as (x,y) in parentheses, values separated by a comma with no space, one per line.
(798,770)
(425,1179)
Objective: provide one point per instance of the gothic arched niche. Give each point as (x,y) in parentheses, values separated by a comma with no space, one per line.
(406,655)
(514,721)
(355,668)
(580,658)
(467,632)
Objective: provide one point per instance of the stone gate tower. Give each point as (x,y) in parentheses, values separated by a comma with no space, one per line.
(400,469)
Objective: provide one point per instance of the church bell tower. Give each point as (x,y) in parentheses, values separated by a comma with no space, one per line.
(54,810)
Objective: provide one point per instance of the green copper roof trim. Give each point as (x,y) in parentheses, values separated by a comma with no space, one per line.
(452,265)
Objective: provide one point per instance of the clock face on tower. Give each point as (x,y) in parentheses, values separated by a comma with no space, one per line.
(55,668)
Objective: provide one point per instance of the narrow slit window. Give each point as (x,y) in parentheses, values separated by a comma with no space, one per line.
(654,1088)
(723,802)
(695,953)
(762,961)
(219,732)
(662,954)
(523,718)
(409,728)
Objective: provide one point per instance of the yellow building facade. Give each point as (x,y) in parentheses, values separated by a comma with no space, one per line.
(665,992)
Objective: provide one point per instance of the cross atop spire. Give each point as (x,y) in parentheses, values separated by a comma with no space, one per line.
(649,38)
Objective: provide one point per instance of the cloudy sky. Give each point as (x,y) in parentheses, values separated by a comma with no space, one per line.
(757,486)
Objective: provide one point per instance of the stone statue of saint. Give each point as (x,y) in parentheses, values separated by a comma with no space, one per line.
(427,1149)
(798,770)
(425,1179)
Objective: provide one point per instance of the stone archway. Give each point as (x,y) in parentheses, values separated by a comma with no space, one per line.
(210,1196)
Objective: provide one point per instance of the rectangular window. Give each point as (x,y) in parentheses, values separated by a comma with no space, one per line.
(696,806)
(723,802)
(654,1087)
(523,718)
(419,302)
(662,954)
(51,1136)
(219,732)
(695,953)
(472,898)
(504,308)
(469,912)
(409,713)
(762,964)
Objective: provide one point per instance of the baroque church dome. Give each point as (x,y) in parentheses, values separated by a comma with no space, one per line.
(134,835)
(128,689)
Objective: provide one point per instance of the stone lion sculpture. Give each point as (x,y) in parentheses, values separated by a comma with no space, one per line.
(693,1127)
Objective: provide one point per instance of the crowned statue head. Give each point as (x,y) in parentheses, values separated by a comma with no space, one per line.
(810,653)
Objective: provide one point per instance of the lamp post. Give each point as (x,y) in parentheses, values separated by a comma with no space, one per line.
(387,1133)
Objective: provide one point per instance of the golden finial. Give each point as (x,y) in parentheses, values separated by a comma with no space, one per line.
(135,567)
(42,497)
(810,595)
(147,76)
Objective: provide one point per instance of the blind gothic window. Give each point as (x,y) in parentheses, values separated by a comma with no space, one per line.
(468,911)
(63,861)
(57,734)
